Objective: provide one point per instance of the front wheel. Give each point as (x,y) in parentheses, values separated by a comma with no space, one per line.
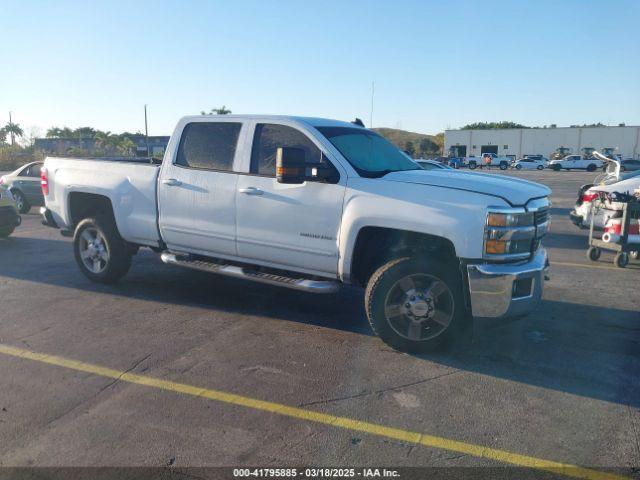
(414,305)
(556,168)
(540,167)
(591,167)
(472,165)
(518,167)
(621,259)
(504,166)
(21,202)
(101,253)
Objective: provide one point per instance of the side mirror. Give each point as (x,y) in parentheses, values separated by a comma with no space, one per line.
(292,168)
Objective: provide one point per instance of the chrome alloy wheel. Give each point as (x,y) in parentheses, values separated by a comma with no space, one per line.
(93,250)
(419,307)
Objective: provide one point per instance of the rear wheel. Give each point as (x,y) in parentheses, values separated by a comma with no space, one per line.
(556,168)
(591,167)
(473,165)
(21,201)
(518,167)
(504,165)
(414,305)
(101,253)
(540,167)
(621,259)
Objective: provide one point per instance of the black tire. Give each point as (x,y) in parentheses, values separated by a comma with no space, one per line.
(472,165)
(385,281)
(6,231)
(591,167)
(540,167)
(518,167)
(21,201)
(593,254)
(119,253)
(621,259)
(504,165)
(556,168)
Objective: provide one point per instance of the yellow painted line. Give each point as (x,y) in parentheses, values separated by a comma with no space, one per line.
(584,265)
(318,417)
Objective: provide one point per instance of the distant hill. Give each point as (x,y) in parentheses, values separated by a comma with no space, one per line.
(401,137)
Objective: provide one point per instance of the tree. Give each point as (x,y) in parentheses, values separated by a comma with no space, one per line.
(409,148)
(223,110)
(56,132)
(3,136)
(427,146)
(439,139)
(14,130)
(126,146)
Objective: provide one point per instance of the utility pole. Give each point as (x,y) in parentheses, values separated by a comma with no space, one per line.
(146,130)
(13,138)
(373,86)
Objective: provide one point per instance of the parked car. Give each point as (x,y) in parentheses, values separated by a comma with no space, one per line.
(589,196)
(24,184)
(529,164)
(310,204)
(629,165)
(489,160)
(541,158)
(576,162)
(455,162)
(432,165)
(9,217)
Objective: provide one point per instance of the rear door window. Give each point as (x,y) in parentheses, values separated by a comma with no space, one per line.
(209,145)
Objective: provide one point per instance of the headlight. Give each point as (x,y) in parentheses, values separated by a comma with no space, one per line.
(510,234)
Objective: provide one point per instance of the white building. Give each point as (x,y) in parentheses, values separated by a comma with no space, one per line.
(519,142)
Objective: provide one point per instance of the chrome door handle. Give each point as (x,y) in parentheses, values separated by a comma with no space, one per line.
(172,182)
(251,191)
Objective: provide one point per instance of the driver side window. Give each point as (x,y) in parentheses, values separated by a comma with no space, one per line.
(268,137)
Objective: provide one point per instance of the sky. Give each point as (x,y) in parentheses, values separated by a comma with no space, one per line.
(435,64)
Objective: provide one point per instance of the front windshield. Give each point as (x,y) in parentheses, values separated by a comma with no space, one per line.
(368,153)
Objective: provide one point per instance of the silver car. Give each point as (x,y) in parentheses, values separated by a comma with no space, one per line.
(24,185)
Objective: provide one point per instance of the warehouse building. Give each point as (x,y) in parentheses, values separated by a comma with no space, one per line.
(518,142)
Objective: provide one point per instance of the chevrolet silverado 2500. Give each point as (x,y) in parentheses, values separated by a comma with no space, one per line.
(309,204)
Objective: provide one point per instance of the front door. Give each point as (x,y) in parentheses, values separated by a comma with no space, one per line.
(197,190)
(29,183)
(288,226)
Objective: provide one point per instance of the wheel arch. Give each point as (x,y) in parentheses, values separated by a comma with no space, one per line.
(374,246)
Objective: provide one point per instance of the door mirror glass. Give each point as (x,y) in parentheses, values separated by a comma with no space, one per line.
(292,167)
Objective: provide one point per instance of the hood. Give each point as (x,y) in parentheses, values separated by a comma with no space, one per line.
(513,190)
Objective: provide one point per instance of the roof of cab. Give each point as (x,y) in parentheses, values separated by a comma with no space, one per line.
(313,121)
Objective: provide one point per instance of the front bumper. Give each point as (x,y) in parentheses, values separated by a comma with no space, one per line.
(9,217)
(503,290)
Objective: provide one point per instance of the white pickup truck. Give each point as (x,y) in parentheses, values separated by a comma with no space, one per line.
(310,204)
(489,160)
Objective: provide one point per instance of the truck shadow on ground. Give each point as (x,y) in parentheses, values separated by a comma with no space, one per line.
(579,349)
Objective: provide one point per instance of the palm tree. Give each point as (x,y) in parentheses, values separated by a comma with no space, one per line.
(3,136)
(223,110)
(14,130)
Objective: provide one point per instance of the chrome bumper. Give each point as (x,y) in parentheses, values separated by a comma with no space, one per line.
(504,290)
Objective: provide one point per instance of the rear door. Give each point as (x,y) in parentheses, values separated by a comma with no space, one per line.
(289,226)
(197,189)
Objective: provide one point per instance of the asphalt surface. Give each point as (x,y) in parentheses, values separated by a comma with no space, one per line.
(561,384)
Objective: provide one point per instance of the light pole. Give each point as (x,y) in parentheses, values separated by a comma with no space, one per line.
(13,138)
(146,130)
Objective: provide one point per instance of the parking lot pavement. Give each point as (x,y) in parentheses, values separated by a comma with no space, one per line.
(561,384)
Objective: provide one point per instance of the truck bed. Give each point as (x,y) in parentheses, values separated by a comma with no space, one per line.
(128,183)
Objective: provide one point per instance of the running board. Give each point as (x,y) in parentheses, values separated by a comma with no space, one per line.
(304,284)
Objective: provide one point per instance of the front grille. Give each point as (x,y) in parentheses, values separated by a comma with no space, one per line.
(541,216)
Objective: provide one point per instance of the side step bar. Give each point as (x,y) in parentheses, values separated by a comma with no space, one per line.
(304,284)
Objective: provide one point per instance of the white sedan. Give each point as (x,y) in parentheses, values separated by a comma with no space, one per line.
(529,164)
